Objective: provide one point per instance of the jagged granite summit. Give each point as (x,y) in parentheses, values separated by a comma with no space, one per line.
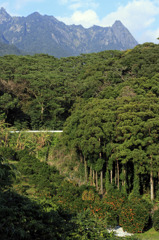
(45,34)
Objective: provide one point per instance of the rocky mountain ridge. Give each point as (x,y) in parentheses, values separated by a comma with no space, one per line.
(45,34)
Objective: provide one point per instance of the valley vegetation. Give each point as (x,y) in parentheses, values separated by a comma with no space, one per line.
(103,170)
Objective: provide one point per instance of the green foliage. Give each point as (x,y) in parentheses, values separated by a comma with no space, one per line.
(120,134)
(134,215)
(113,203)
(50,216)
(22,218)
(6,49)
(39,91)
(89,228)
(8,153)
(108,105)
(40,173)
(7,173)
(156,220)
(136,186)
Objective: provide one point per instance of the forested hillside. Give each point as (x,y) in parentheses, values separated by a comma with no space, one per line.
(6,49)
(40,90)
(108,155)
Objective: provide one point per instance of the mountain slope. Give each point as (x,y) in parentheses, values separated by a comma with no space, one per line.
(6,49)
(45,34)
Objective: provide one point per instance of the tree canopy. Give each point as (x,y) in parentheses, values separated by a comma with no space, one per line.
(39,91)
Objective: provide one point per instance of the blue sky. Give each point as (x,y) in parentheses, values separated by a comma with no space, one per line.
(141,17)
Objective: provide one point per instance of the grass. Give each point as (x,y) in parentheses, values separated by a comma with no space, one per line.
(149,235)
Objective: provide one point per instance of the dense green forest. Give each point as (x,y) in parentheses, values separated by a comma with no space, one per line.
(40,90)
(38,202)
(104,167)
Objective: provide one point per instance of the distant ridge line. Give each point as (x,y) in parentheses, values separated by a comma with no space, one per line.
(37,131)
(38,33)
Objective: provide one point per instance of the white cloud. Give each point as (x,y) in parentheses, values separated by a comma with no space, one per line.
(136,14)
(86,19)
(139,16)
(78,4)
(150,36)
(75,6)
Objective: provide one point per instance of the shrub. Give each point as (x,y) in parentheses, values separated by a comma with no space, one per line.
(156,220)
(88,227)
(115,199)
(113,203)
(134,215)
(8,153)
(22,218)
(88,195)
(22,153)
(25,165)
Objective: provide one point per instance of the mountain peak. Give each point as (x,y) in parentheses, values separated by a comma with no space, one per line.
(3,12)
(123,35)
(117,24)
(34,15)
(4,16)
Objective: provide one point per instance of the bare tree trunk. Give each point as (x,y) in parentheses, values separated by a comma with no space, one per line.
(151,182)
(90,176)
(101,181)
(101,173)
(42,111)
(96,180)
(117,173)
(81,161)
(85,167)
(152,186)
(122,182)
(93,178)
(111,176)
(124,176)
(81,158)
